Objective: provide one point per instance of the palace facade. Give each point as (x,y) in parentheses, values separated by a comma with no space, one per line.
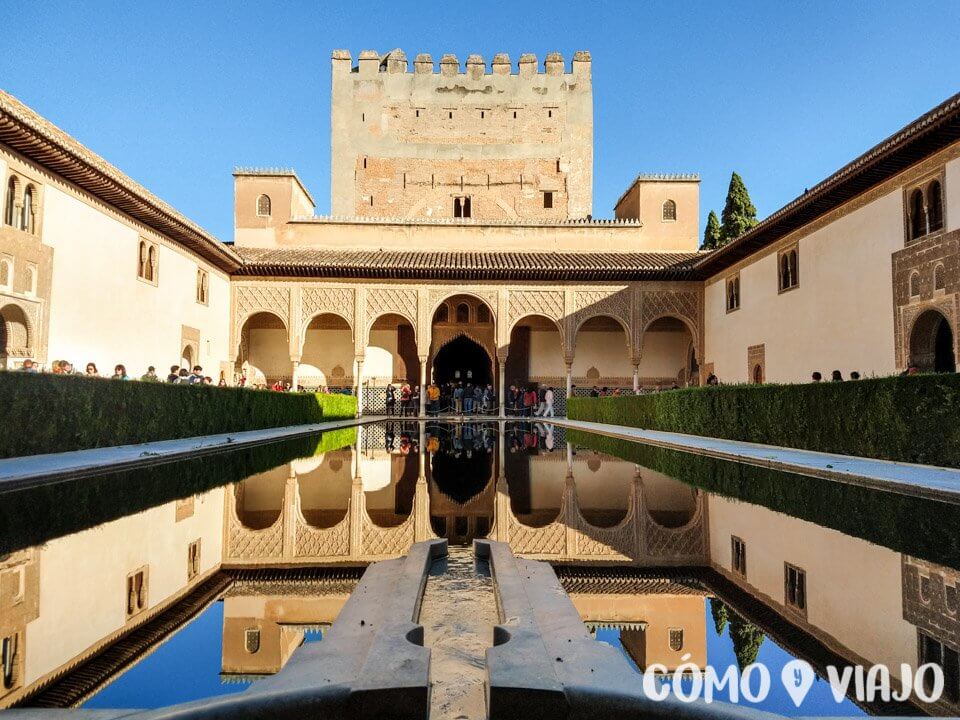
(462,245)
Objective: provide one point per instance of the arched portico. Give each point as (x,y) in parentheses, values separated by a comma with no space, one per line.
(263,355)
(602,354)
(933,343)
(326,353)
(668,353)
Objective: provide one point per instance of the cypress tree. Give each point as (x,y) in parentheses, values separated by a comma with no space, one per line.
(747,639)
(711,234)
(739,214)
(720,615)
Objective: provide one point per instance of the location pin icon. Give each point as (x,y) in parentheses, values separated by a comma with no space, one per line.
(797,677)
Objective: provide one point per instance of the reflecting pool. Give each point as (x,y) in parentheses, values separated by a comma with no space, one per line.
(192,579)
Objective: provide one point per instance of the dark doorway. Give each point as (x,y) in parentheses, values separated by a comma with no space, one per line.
(931,343)
(462,360)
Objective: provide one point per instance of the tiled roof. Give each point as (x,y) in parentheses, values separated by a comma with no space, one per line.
(36,138)
(308,262)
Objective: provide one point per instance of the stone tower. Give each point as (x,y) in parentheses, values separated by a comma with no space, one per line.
(486,143)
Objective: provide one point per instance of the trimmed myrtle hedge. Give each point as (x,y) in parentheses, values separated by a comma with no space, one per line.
(35,515)
(912,525)
(910,419)
(57,413)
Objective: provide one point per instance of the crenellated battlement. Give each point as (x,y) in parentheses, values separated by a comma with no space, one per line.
(370,63)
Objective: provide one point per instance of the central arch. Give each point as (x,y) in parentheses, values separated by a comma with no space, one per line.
(932,343)
(464,360)
(463,341)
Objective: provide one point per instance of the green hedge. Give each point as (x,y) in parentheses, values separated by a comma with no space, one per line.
(35,515)
(56,413)
(910,419)
(915,526)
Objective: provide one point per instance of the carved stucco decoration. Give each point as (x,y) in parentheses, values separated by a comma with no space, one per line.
(612,302)
(398,301)
(548,303)
(318,300)
(682,304)
(21,338)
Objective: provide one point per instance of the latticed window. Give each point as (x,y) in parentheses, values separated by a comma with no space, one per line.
(669,210)
(463,313)
(136,592)
(263,206)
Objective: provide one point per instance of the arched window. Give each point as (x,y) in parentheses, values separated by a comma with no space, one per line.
(263,206)
(483,314)
(26,215)
(6,273)
(939,278)
(442,314)
(31,288)
(202,286)
(915,285)
(669,210)
(9,207)
(934,206)
(463,313)
(142,261)
(918,216)
(152,263)
(733,293)
(789,270)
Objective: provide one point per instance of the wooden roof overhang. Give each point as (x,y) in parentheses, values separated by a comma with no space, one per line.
(41,142)
(928,134)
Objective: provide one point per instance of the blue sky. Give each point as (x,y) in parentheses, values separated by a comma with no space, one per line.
(177,94)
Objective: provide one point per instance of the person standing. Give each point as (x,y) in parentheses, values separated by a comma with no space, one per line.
(150,375)
(415,401)
(119,373)
(174,375)
(548,402)
(391,399)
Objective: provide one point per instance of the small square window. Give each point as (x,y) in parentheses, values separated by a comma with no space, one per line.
(795,587)
(548,200)
(193,559)
(462,207)
(733,293)
(137,586)
(738,555)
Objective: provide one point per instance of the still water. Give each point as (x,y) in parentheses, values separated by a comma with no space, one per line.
(193,579)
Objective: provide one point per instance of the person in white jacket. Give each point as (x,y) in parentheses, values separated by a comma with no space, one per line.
(548,402)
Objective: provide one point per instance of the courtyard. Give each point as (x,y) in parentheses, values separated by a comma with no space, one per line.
(394,362)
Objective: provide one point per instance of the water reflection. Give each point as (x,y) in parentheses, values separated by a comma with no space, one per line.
(655,577)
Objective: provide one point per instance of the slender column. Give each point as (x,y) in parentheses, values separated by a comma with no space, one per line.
(502,389)
(295,376)
(636,378)
(423,386)
(569,379)
(359,392)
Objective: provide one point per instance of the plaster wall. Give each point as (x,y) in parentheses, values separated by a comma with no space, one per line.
(84,576)
(102,312)
(839,317)
(854,592)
